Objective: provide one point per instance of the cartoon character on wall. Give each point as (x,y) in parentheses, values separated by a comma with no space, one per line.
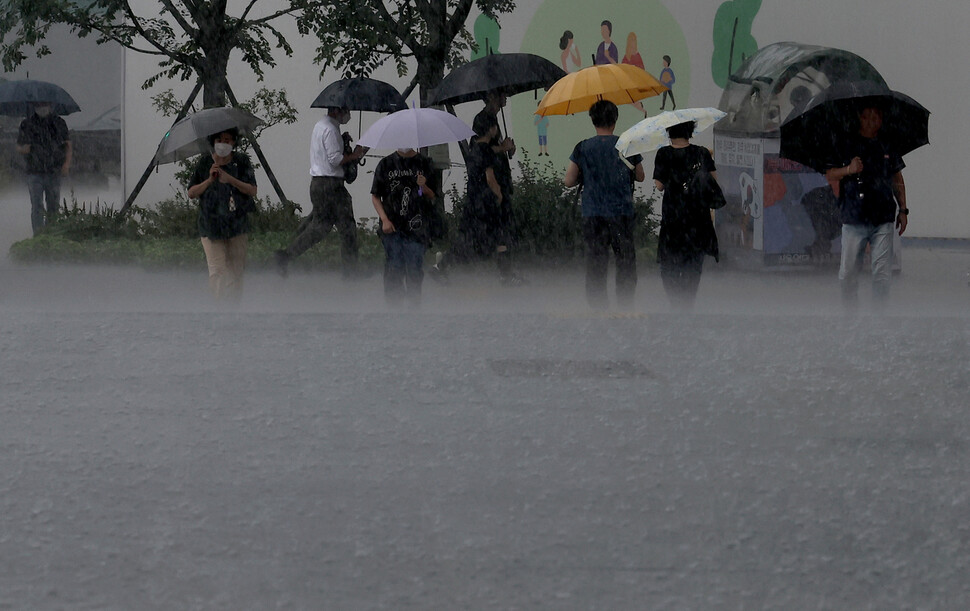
(570,53)
(667,79)
(606,53)
(632,57)
(542,131)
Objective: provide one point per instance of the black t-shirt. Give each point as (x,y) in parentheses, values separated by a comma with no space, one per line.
(685,225)
(503,169)
(395,182)
(867,197)
(223,208)
(481,157)
(47,137)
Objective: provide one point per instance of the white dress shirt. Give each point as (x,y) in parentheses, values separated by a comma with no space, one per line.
(326,149)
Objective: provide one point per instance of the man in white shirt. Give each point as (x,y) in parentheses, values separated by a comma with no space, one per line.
(332,204)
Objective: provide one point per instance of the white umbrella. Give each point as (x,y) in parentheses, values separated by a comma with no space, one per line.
(651,133)
(415,128)
(190,136)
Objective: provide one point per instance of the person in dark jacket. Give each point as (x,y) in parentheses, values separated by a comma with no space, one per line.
(45,143)
(225,185)
(686,230)
(486,226)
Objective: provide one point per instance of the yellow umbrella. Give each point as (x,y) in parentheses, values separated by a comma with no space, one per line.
(618,83)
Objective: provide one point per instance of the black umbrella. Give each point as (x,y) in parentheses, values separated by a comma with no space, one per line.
(17,98)
(509,73)
(815,136)
(360,93)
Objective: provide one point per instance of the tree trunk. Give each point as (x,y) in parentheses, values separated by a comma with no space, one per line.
(213,77)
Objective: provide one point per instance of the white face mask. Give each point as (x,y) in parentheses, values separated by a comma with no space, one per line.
(43,111)
(344,118)
(223,149)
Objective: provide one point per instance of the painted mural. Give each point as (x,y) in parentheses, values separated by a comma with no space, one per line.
(576,35)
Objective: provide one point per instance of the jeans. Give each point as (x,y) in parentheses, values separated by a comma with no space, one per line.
(40,186)
(602,233)
(403,269)
(855,238)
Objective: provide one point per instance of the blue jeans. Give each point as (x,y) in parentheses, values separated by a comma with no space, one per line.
(403,269)
(879,238)
(40,186)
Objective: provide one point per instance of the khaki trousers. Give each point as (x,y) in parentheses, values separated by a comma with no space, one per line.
(226,260)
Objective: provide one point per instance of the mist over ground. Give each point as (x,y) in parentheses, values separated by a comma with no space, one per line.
(500,448)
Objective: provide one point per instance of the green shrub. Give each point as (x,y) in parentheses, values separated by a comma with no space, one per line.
(548,217)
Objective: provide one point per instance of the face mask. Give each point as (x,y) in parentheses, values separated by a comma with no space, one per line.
(344,118)
(43,111)
(223,149)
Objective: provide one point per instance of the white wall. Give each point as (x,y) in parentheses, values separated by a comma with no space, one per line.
(918,47)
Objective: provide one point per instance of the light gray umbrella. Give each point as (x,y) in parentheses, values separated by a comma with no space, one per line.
(17,98)
(415,128)
(189,136)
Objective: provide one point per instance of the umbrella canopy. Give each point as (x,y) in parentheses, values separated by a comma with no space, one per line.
(651,133)
(17,98)
(415,128)
(618,83)
(360,93)
(813,136)
(189,136)
(509,73)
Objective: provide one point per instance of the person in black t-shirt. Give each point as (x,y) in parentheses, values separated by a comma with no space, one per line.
(403,195)
(871,185)
(486,227)
(686,231)
(45,143)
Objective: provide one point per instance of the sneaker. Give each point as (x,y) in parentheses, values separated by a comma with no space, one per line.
(282,262)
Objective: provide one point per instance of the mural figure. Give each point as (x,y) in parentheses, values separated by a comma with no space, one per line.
(606,53)
(632,56)
(542,130)
(570,52)
(668,79)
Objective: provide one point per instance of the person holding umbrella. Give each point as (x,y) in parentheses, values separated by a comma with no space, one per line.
(686,230)
(45,143)
(403,195)
(332,204)
(871,186)
(503,149)
(225,185)
(607,204)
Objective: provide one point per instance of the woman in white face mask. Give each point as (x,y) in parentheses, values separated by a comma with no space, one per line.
(225,185)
